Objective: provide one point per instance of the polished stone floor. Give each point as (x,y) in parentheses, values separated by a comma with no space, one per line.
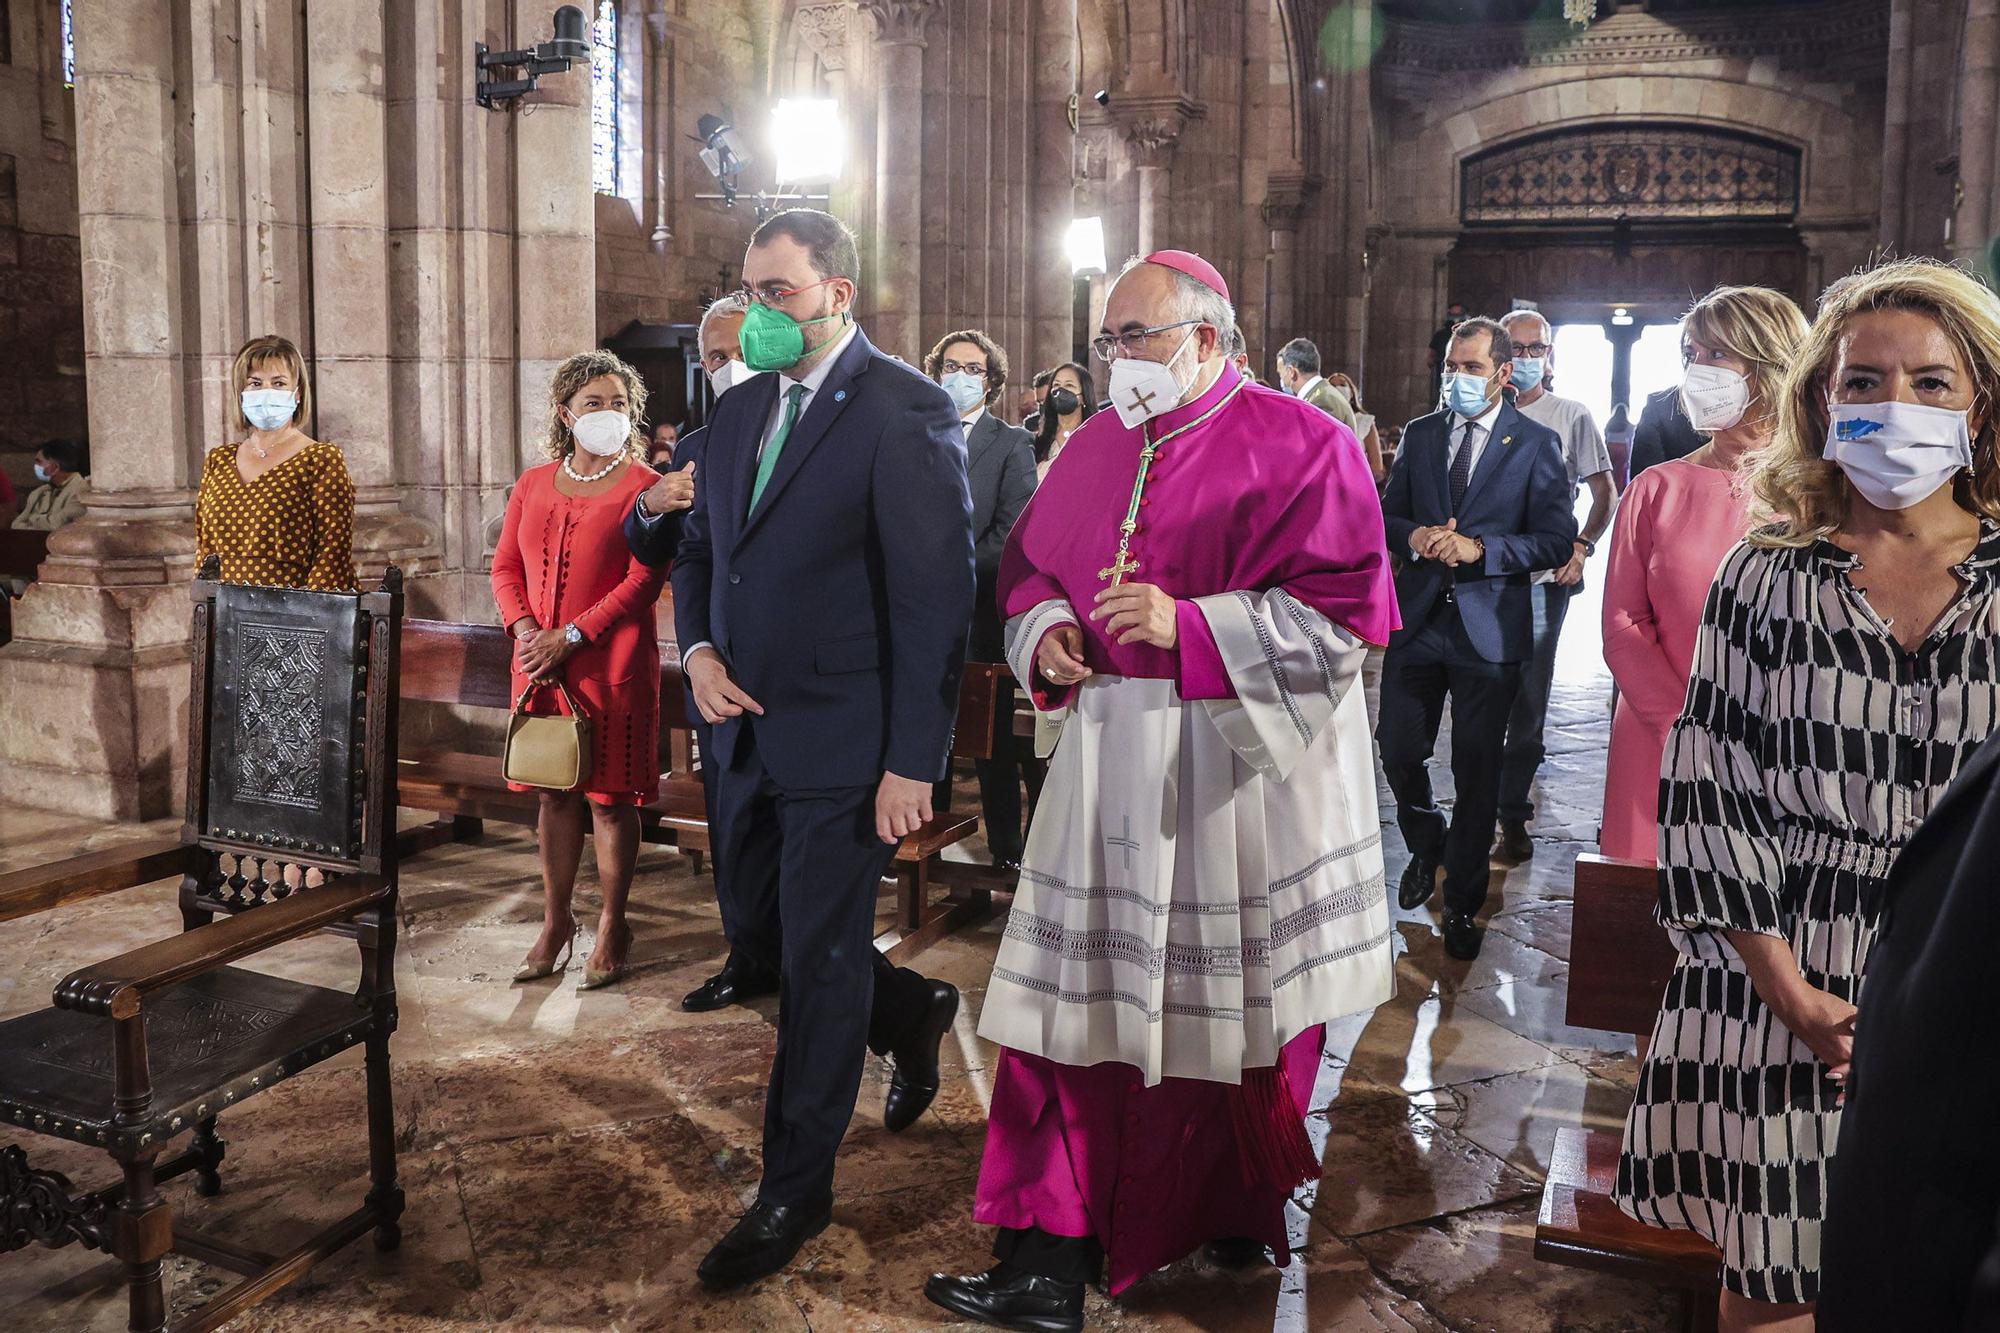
(568,1157)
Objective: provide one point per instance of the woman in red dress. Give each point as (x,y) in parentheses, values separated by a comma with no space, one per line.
(581,611)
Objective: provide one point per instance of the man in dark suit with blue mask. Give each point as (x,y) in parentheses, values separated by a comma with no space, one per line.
(1478,500)
(824,587)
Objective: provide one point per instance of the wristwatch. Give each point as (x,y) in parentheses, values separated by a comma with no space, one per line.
(1589,546)
(572,635)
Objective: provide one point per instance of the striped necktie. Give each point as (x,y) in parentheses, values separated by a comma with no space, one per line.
(769,462)
(1461,466)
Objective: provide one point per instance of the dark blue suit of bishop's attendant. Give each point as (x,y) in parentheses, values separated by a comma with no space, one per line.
(840,604)
(1466,631)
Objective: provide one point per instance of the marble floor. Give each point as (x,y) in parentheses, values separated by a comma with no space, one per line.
(569,1157)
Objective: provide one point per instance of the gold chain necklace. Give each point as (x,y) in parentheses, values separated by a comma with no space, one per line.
(1124,564)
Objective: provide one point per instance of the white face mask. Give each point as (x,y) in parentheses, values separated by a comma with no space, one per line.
(602,433)
(1142,390)
(1714,398)
(728,377)
(1898,453)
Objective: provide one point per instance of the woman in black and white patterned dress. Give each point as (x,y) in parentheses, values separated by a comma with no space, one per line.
(1848,663)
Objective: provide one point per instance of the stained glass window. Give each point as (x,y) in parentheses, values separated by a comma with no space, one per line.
(604,100)
(69,43)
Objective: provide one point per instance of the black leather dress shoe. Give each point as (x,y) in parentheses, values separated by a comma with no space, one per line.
(1461,937)
(734,984)
(1236,1252)
(914,1084)
(1515,844)
(1418,883)
(762,1242)
(1010,1298)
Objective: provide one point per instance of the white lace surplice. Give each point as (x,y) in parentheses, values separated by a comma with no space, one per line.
(1202,881)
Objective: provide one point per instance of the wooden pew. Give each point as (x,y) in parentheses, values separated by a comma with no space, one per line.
(22,551)
(1620,960)
(468,665)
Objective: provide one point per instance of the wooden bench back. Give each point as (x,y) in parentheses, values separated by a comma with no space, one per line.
(1619,957)
(22,551)
(449,663)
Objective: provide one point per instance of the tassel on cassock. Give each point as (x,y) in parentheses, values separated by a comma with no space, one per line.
(1270,1134)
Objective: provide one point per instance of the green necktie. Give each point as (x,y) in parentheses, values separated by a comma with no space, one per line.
(769,462)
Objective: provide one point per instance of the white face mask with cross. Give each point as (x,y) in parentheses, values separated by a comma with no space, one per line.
(1141,390)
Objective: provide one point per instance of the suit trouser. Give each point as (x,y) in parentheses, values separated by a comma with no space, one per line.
(1000,782)
(1524,750)
(804,868)
(1436,662)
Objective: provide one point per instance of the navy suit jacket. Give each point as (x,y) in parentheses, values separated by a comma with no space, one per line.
(841,602)
(1518,501)
(656,543)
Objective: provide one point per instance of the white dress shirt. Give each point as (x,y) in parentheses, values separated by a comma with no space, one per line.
(973,420)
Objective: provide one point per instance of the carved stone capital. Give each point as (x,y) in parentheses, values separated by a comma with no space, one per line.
(1152,124)
(1286,195)
(823,30)
(900,22)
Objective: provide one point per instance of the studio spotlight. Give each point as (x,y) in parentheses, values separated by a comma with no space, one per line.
(570,44)
(1086,245)
(722,153)
(808,141)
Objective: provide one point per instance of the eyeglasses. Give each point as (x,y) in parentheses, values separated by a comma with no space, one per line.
(1531,349)
(970,368)
(1132,343)
(775,293)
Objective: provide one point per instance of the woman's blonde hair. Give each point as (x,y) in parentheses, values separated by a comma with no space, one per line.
(570,377)
(1795,486)
(1759,327)
(270,347)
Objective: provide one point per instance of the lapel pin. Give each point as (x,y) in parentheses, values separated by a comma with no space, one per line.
(1506,439)
(840,395)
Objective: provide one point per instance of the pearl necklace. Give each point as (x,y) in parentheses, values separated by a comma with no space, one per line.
(585,477)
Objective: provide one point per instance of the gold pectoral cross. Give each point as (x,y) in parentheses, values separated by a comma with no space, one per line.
(1120,567)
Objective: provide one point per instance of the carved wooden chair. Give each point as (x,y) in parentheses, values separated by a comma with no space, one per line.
(291,768)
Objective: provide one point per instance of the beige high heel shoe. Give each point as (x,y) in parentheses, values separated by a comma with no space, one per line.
(534,969)
(596,979)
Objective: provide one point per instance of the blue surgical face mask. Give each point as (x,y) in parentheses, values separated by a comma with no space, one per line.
(967,390)
(41,472)
(1528,372)
(1466,394)
(269,409)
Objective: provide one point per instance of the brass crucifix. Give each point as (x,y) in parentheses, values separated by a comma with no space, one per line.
(1120,567)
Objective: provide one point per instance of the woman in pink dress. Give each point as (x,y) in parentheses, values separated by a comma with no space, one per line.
(1675,523)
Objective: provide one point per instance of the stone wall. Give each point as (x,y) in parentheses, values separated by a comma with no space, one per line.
(1800,75)
(41,300)
(318,170)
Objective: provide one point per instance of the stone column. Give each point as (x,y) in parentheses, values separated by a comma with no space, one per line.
(88,721)
(1152,123)
(1284,206)
(1978,111)
(895,286)
(348,205)
(1052,205)
(1896,126)
(555,246)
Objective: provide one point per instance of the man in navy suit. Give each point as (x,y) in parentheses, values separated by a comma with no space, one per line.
(1478,500)
(825,584)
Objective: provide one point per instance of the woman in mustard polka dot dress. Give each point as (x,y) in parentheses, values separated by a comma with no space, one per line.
(278,508)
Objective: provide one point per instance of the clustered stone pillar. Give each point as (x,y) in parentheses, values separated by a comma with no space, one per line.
(1978,117)
(894,286)
(88,721)
(1284,208)
(1152,125)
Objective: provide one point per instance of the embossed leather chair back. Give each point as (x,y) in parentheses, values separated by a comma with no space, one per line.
(288,762)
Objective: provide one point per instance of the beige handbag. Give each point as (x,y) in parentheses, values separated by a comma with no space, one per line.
(552,752)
